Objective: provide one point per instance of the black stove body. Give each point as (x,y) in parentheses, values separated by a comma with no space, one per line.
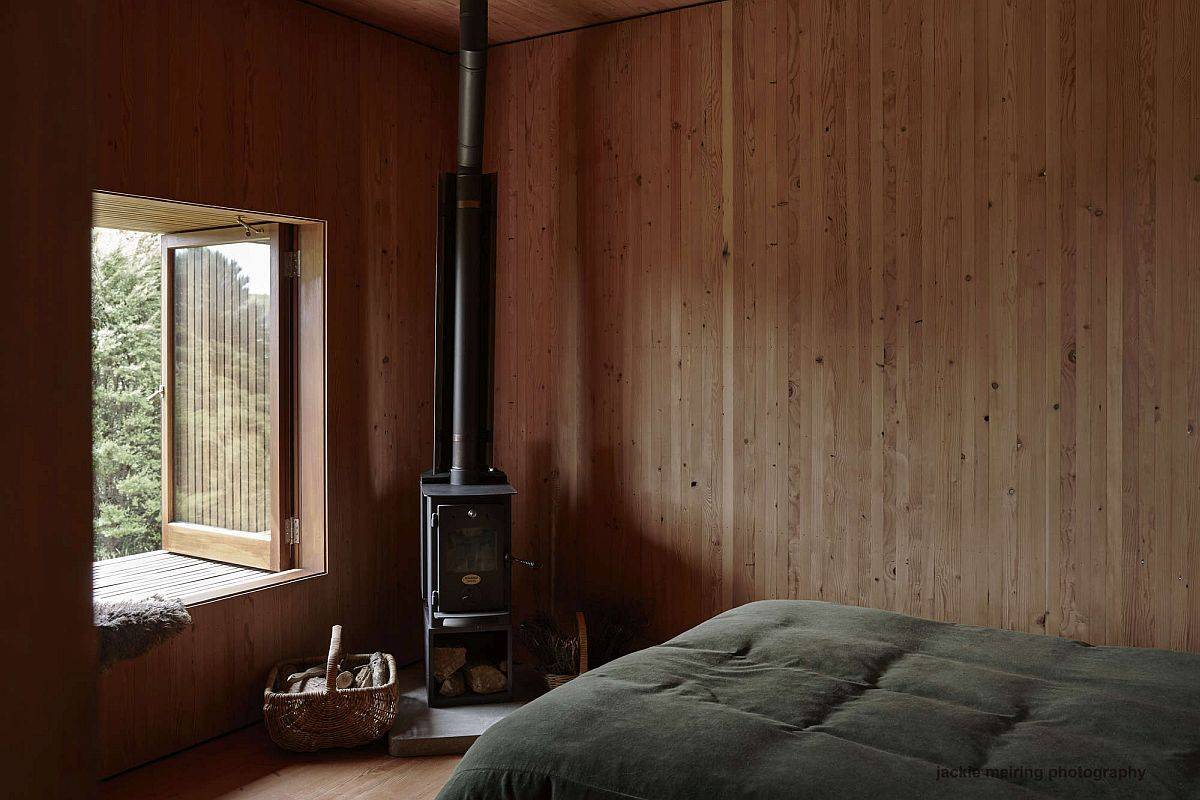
(466,578)
(466,504)
(465,557)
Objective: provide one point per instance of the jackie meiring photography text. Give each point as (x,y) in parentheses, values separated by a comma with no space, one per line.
(1071,772)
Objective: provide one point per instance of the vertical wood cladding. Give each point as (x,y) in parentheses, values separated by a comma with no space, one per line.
(46,748)
(277,106)
(884,302)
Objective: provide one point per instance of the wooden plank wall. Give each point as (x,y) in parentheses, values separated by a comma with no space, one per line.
(292,110)
(46,746)
(884,302)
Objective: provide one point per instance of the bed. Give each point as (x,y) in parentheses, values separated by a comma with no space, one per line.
(798,699)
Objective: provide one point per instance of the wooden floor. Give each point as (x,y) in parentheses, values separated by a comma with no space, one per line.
(246,765)
(139,576)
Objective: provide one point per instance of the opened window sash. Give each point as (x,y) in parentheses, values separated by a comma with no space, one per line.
(228,351)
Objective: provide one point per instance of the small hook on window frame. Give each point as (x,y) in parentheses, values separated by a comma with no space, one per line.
(250,229)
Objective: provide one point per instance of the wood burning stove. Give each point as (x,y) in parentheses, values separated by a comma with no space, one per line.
(466,504)
(466,567)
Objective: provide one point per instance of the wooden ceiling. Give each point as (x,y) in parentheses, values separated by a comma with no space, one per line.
(435,22)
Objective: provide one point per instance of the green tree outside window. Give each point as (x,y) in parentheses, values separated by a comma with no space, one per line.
(126,410)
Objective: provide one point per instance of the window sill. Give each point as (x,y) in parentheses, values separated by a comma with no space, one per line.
(192,580)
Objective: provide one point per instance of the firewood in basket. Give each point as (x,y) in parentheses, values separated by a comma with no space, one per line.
(362,676)
(299,681)
(344,679)
(378,670)
(311,672)
(312,685)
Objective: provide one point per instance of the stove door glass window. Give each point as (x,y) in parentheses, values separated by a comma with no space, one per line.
(471,550)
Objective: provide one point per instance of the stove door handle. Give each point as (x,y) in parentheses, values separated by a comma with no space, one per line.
(523,562)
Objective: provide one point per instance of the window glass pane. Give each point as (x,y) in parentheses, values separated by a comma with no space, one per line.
(222,423)
(126,409)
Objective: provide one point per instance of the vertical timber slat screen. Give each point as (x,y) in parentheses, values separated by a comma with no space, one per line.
(222,386)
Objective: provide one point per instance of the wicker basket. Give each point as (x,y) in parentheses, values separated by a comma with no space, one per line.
(329,717)
(555,681)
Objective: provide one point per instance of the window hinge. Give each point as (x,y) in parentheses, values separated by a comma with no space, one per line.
(292,268)
(291,531)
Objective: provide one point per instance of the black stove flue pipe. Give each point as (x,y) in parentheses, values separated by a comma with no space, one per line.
(472,75)
(473,272)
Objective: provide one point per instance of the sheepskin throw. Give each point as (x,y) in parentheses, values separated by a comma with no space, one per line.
(128,628)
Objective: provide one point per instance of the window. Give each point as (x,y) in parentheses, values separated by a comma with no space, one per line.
(208,354)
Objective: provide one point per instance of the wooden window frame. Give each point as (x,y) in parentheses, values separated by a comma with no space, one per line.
(268,550)
(167,217)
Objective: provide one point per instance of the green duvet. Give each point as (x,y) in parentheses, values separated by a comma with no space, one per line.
(795,699)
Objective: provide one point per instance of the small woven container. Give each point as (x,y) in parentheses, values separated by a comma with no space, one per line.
(329,716)
(555,681)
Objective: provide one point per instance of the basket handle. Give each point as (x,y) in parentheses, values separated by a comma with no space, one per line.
(331,663)
(583,647)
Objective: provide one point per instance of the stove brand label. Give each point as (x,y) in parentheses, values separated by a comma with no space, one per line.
(471,579)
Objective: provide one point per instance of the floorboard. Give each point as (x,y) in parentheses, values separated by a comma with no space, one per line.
(247,765)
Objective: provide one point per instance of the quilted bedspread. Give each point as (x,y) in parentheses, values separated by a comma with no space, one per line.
(797,699)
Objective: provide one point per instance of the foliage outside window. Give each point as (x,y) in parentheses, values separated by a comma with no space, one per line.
(126,413)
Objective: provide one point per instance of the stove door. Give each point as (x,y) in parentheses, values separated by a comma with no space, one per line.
(472,542)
